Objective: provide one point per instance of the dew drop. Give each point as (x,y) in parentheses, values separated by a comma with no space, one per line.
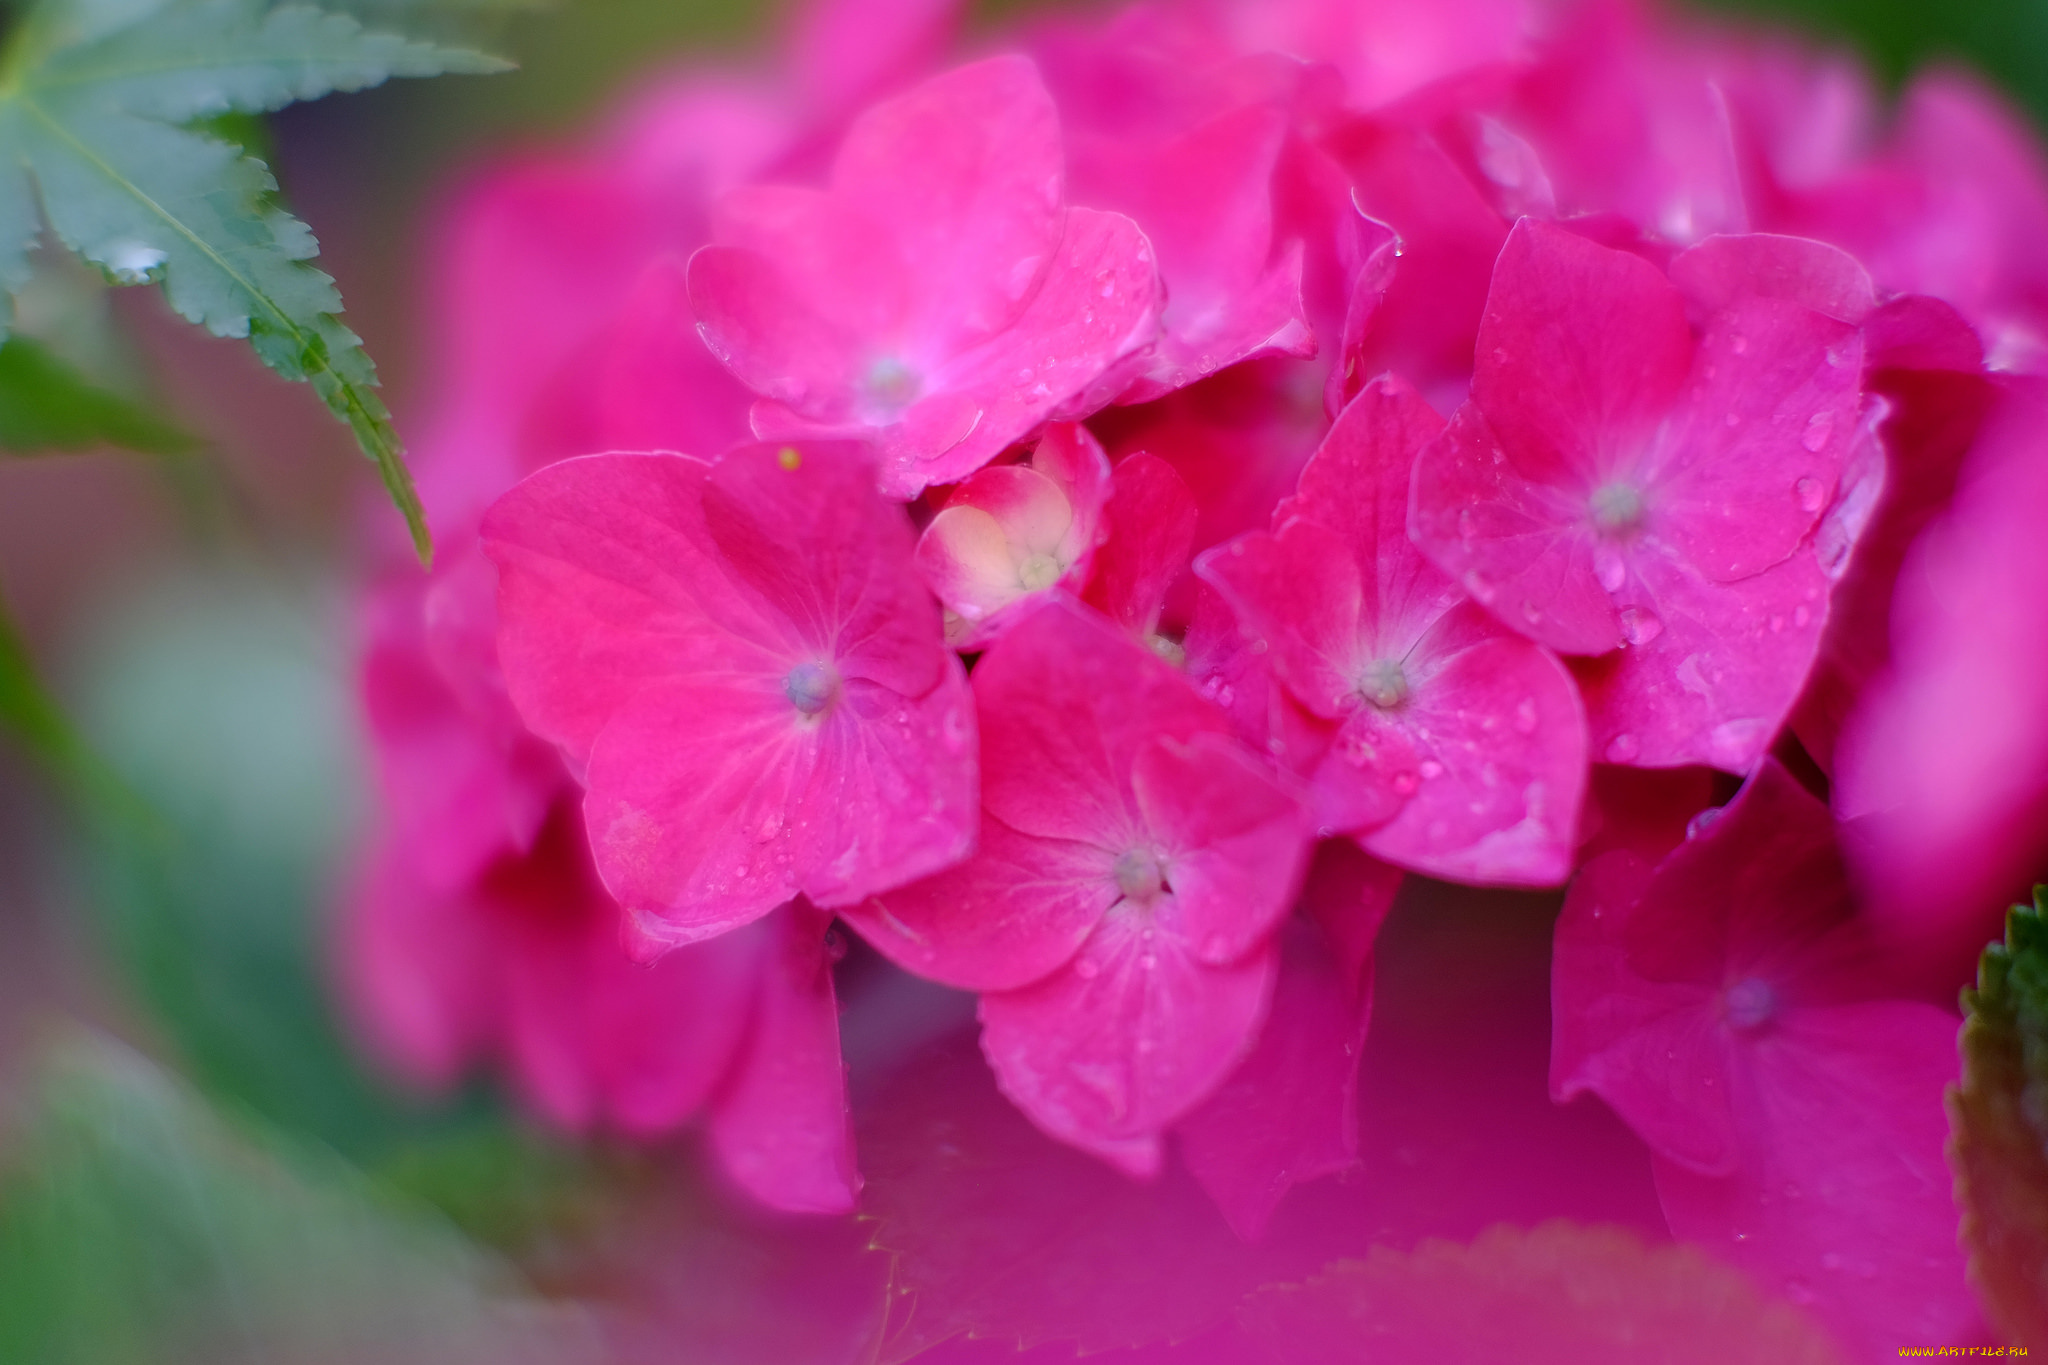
(1087,969)
(771,826)
(1777,624)
(1800,616)
(1465,527)
(1430,768)
(1479,586)
(1702,822)
(1738,344)
(1404,783)
(1810,494)
(1532,613)
(1639,627)
(1818,430)
(1733,743)
(1525,716)
(1623,747)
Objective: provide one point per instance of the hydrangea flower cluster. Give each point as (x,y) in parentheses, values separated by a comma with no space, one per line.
(1092,518)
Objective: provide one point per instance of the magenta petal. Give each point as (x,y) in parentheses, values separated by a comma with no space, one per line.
(1654,1050)
(1299,598)
(1500,745)
(1066,704)
(709,806)
(1150,524)
(415,969)
(1522,548)
(1712,669)
(1011,914)
(780,1126)
(1235,843)
(1581,352)
(965,173)
(1130,1036)
(1098,303)
(1826,279)
(1842,1201)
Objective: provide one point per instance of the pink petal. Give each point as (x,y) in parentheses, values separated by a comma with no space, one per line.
(415,970)
(1150,520)
(1713,668)
(1234,841)
(965,173)
(780,1126)
(1011,914)
(1098,303)
(1066,704)
(1721,270)
(844,51)
(1130,1036)
(1289,1113)
(1582,351)
(1299,594)
(1653,1049)
(1742,476)
(967,561)
(1499,737)
(1842,1200)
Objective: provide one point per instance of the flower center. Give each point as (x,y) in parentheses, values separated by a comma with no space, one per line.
(1038,571)
(893,383)
(1384,684)
(811,687)
(1138,876)
(1617,507)
(1749,1005)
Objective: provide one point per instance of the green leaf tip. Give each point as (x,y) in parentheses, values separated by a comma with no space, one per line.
(97,106)
(1998,1121)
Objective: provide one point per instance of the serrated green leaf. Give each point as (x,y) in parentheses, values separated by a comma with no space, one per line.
(1998,1119)
(93,99)
(46,405)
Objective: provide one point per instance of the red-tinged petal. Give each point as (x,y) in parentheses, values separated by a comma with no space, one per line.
(1233,840)
(1150,524)
(1500,744)
(416,973)
(780,1126)
(1350,893)
(1066,704)
(710,803)
(1298,594)
(1644,811)
(1748,466)
(1069,455)
(1721,270)
(1842,1199)
(1654,1050)
(966,174)
(1582,351)
(1013,913)
(1130,1036)
(1098,303)
(967,562)
(1523,548)
(1712,669)
(1370,769)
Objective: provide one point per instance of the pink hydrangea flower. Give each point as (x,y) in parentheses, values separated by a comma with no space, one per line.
(1010,532)
(1728,1005)
(940,297)
(1289,1113)
(1385,48)
(740,660)
(1459,746)
(1118,917)
(1620,487)
(523,967)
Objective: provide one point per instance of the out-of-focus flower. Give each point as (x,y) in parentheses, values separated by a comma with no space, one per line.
(1729,1005)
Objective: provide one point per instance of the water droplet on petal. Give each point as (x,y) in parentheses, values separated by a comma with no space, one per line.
(1479,586)
(1610,568)
(1810,494)
(1640,626)
(1800,616)
(1525,716)
(1702,822)
(1087,969)
(1465,525)
(1532,613)
(1404,783)
(1430,768)
(1623,747)
(1738,344)
(1818,430)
